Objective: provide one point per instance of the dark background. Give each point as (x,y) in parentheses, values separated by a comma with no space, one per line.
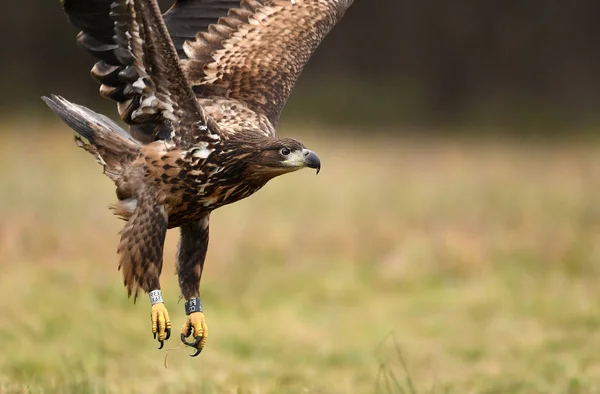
(510,65)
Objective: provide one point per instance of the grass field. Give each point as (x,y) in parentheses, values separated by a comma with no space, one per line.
(405,267)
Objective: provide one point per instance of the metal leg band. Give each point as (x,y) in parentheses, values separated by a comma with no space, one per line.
(193,305)
(155,297)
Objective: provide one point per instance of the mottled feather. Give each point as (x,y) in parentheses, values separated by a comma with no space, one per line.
(256,53)
(141,246)
(188,17)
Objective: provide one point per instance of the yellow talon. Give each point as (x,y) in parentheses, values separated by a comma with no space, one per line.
(195,325)
(161,323)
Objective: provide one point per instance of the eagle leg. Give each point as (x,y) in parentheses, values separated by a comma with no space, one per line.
(141,258)
(190,264)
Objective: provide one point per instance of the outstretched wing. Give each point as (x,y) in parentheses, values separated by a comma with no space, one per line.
(139,68)
(256,53)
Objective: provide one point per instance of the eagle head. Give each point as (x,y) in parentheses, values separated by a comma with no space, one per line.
(279,156)
(284,155)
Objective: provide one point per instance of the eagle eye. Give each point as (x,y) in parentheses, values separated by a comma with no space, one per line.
(285,151)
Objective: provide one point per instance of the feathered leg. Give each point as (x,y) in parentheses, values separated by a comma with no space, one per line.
(190,263)
(141,258)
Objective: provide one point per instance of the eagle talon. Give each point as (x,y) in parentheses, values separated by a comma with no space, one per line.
(195,325)
(161,323)
(192,344)
(197,353)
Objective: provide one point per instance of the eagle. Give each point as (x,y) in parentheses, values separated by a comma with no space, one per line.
(201,88)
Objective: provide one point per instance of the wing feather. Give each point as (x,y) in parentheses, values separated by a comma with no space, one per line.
(256,53)
(139,68)
(188,17)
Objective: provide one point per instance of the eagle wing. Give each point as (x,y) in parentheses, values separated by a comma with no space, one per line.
(241,56)
(139,68)
(256,53)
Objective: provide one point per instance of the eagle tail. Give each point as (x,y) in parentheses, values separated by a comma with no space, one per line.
(112,146)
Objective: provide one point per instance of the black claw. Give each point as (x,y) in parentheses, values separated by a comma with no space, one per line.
(183,337)
(168,334)
(154,335)
(162,343)
(197,341)
(191,344)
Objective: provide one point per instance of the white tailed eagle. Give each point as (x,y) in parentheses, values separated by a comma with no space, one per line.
(201,88)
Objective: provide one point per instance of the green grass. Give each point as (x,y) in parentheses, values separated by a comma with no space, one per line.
(404,267)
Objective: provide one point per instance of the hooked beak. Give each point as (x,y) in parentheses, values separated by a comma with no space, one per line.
(311,160)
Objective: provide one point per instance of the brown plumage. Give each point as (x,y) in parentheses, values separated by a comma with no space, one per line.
(201,88)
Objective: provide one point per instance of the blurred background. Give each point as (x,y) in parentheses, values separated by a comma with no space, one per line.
(450,244)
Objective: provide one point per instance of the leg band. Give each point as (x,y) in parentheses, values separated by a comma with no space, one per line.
(193,305)
(155,297)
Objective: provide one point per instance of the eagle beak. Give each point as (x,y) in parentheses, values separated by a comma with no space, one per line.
(311,160)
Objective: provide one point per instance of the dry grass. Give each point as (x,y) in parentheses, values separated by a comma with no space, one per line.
(405,267)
